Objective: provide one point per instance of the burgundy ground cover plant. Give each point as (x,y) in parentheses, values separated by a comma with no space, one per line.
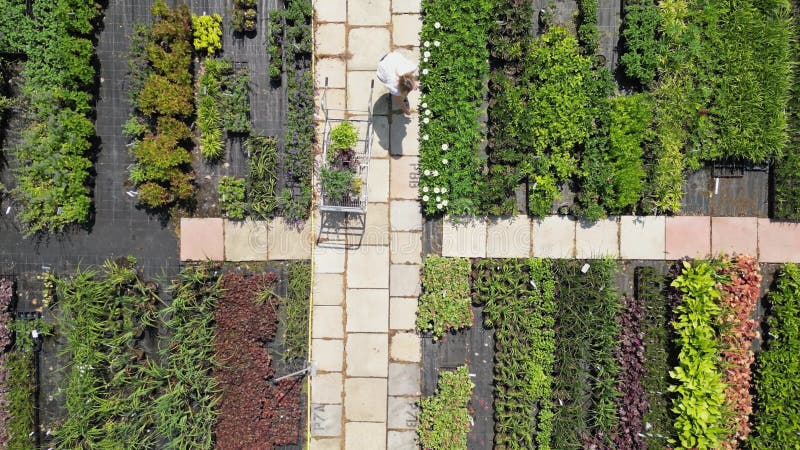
(737,330)
(630,357)
(254,413)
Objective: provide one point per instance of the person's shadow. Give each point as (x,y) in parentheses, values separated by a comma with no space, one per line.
(392,135)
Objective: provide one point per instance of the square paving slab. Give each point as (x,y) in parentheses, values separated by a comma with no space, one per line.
(778,241)
(405,178)
(330,39)
(376,226)
(554,237)
(405,347)
(327,353)
(202,239)
(365,435)
(326,420)
(320,443)
(403,413)
(331,10)
(328,259)
(368,12)
(402,313)
(327,322)
(366,47)
(365,399)
(332,68)
(402,440)
(404,280)
(688,236)
(464,237)
(406,6)
(245,240)
(328,289)
(405,215)
(368,267)
(406,248)
(368,310)
(405,135)
(734,235)
(286,241)
(642,237)
(597,239)
(405,29)
(509,237)
(358,82)
(367,354)
(404,379)
(326,388)
(378,182)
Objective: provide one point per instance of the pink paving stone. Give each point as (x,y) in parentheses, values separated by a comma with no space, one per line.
(202,239)
(778,241)
(734,235)
(688,236)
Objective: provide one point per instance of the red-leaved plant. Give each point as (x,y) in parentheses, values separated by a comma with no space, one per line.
(630,357)
(737,330)
(6,291)
(254,413)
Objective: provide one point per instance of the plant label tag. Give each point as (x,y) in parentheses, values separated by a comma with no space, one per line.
(585,268)
(35,334)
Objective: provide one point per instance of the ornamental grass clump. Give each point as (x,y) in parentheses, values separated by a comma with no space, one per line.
(586,372)
(518,302)
(445,303)
(444,418)
(699,387)
(777,379)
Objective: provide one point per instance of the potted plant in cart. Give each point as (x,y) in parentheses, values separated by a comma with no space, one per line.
(339,179)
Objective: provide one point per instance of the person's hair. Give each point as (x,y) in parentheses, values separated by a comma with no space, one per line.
(407,82)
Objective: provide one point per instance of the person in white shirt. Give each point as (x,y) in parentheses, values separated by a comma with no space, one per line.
(398,74)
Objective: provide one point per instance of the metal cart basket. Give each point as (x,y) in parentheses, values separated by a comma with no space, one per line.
(333,117)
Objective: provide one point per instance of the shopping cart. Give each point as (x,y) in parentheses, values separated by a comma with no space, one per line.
(357,201)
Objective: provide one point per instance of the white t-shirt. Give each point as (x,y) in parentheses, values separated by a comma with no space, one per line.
(391,67)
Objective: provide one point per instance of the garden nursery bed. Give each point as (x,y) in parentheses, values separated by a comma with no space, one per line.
(603,355)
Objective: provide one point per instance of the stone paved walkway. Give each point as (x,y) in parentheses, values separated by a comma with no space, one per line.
(366,269)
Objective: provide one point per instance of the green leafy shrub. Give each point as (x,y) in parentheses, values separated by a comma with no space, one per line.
(338,185)
(262,175)
(612,166)
(642,46)
(586,371)
(786,170)
(453,90)
(275,44)
(699,402)
(444,418)
(207,33)
(236,101)
(510,39)
(161,59)
(777,380)
(245,16)
(53,169)
(344,136)
(519,303)
(588,33)
(232,197)
(444,305)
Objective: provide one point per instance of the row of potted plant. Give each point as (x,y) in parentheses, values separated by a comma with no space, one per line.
(444,418)
(518,298)
(223,104)
(777,378)
(54,156)
(161,79)
(453,71)
(445,303)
